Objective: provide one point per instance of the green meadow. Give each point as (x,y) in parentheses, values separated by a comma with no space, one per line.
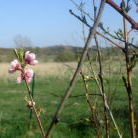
(15,121)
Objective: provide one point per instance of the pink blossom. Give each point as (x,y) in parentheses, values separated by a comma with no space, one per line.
(30,58)
(25,74)
(28,75)
(19,79)
(15,65)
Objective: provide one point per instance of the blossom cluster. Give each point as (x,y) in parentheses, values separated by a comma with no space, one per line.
(25,74)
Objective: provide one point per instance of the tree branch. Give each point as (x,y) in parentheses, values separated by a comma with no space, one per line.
(74,78)
(98,33)
(124,14)
(100,25)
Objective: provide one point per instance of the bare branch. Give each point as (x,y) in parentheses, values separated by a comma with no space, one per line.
(124,14)
(98,33)
(74,78)
(75,96)
(80,9)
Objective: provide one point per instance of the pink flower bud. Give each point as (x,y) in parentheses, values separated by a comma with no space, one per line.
(33,62)
(29,75)
(30,58)
(19,79)
(15,65)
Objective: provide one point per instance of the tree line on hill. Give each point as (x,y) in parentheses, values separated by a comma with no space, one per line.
(61,53)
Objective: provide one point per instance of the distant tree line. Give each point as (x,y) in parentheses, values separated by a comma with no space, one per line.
(61,53)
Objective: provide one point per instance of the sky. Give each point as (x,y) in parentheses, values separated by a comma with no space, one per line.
(46,22)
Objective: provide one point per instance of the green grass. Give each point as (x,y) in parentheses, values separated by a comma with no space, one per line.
(74,120)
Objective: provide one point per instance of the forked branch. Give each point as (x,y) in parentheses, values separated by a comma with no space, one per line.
(123,13)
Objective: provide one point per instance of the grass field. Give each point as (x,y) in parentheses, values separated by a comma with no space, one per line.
(51,82)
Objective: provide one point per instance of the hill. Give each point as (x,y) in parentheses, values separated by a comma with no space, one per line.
(58,53)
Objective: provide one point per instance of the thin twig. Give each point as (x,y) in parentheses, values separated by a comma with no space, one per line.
(92,108)
(98,33)
(128,82)
(101,78)
(105,99)
(35,110)
(75,96)
(102,87)
(80,9)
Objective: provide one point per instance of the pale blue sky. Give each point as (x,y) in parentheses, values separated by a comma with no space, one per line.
(45,22)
